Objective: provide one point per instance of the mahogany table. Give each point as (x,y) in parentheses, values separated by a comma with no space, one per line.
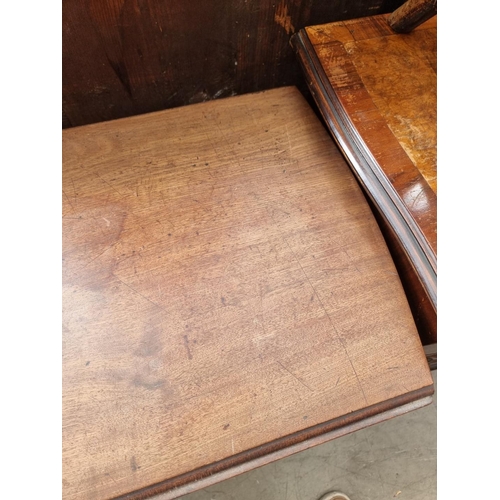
(228,298)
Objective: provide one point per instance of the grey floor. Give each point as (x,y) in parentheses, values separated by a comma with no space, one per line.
(393,459)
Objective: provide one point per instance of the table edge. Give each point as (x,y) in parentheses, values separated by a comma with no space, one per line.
(203,477)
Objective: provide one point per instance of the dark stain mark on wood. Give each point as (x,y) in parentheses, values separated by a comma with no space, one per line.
(148,382)
(151,340)
(186,343)
(133,464)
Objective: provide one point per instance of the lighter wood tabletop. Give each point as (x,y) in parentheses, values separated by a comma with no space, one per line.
(224,285)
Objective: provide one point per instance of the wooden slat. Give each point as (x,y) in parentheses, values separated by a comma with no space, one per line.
(226,294)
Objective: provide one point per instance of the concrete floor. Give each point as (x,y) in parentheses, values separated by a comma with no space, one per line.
(393,459)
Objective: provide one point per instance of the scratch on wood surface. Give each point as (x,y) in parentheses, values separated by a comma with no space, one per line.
(416,198)
(97,256)
(329,319)
(288,137)
(75,194)
(108,184)
(67,197)
(351,261)
(282,18)
(175,93)
(138,293)
(294,376)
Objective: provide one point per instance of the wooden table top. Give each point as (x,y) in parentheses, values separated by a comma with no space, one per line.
(399,73)
(227,298)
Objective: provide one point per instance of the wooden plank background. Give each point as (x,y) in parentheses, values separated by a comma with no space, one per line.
(127,57)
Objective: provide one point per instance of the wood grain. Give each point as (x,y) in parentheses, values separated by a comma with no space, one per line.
(392,77)
(385,87)
(226,294)
(403,86)
(127,57)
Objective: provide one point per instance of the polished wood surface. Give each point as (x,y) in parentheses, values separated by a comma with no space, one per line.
(402,85)
(227,296)
(394,89)
(384,85)
(123,58)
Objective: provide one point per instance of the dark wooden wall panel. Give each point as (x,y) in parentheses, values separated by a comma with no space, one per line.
(127,57)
